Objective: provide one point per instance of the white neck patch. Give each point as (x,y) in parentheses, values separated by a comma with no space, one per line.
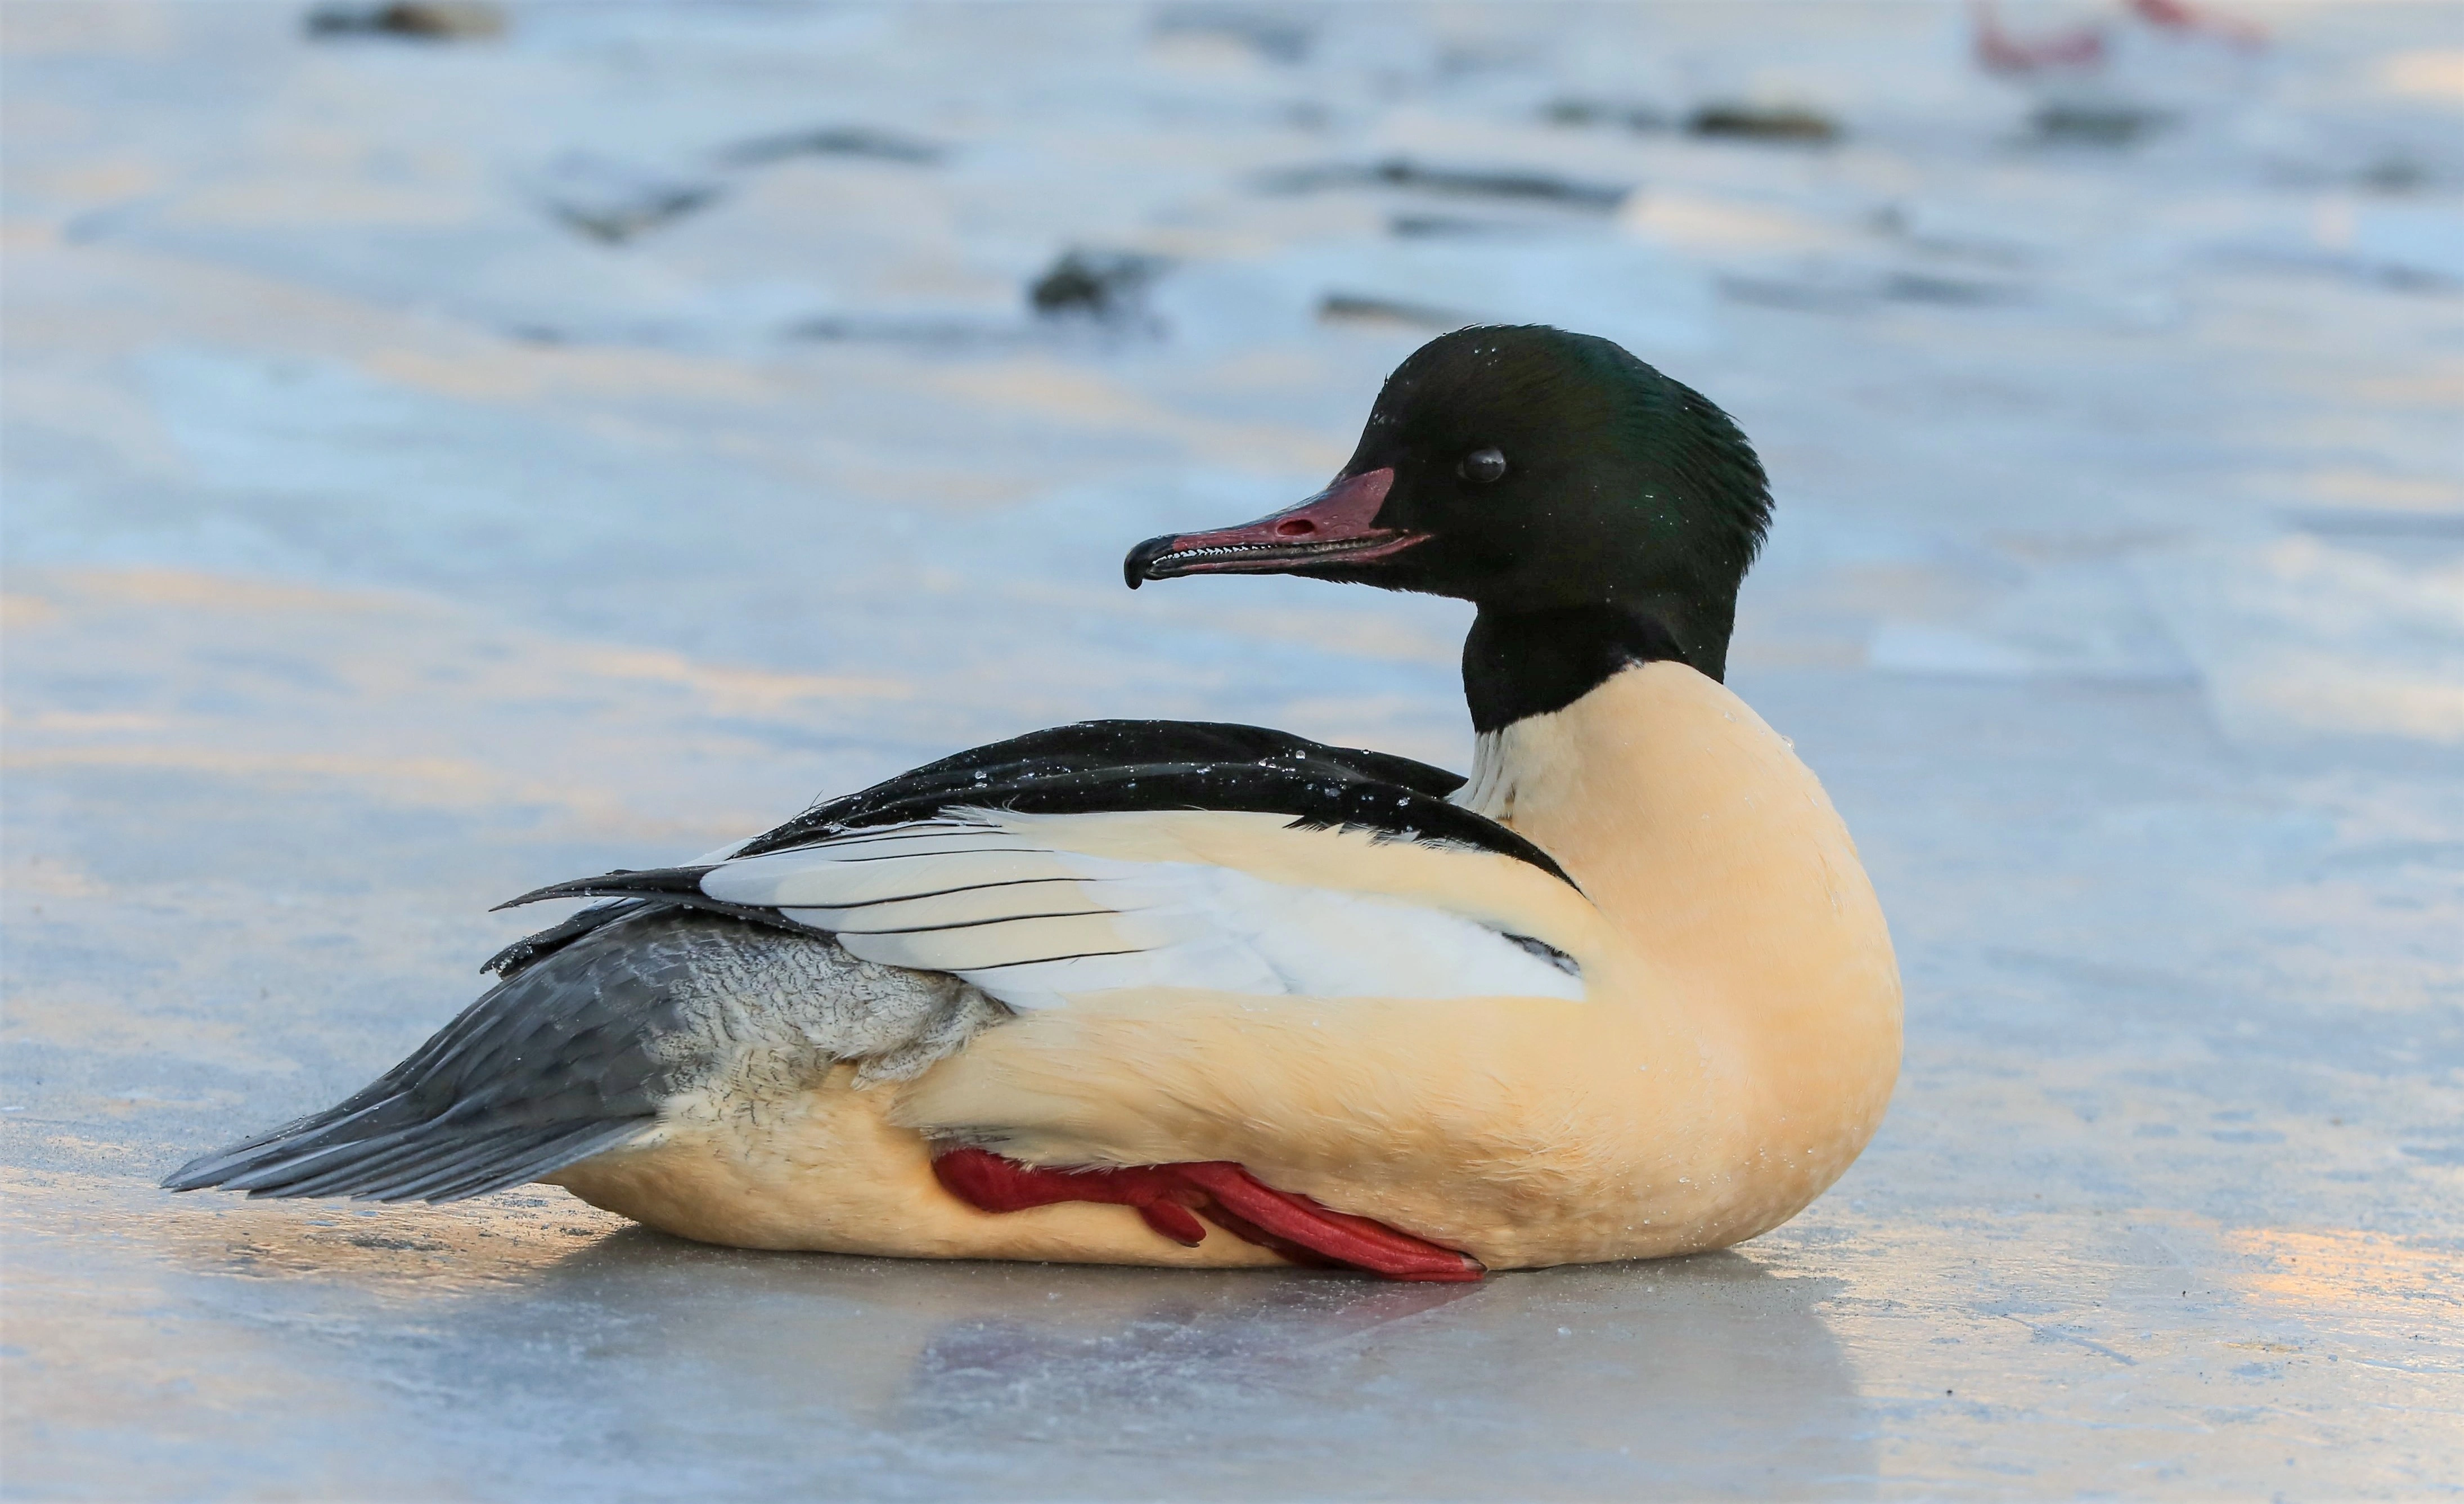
(1491,791)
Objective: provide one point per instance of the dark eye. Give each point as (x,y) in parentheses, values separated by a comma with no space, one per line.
(1482,466)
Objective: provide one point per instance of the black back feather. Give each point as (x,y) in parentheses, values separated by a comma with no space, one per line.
(1103,765)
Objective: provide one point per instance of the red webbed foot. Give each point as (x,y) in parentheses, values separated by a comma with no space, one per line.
(1171,1197)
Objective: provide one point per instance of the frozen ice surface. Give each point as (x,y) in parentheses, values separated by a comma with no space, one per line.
(438,467)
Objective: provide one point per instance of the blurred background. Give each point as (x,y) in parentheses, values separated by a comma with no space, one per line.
(451,447)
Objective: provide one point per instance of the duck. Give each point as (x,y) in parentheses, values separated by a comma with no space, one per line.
(1211,995)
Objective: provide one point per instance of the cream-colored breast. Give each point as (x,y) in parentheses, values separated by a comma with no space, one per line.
(1715,852)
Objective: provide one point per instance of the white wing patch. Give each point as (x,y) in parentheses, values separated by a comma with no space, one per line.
(1033,924)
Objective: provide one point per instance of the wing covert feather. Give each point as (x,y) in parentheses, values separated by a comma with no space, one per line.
(1003,902)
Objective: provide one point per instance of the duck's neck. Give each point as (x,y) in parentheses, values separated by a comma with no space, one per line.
(1521,663)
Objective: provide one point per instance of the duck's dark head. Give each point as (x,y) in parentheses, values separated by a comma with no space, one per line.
(1596,512)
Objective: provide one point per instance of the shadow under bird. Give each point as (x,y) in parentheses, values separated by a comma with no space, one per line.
(1186,993)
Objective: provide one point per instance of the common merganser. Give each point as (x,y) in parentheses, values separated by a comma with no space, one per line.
(1088,994)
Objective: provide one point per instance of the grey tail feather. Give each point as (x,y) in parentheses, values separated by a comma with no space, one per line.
(560,1061)
(444,1158)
